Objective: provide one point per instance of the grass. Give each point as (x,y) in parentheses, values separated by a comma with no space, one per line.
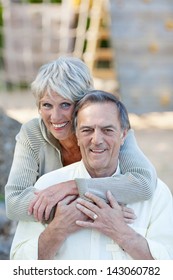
(2,197)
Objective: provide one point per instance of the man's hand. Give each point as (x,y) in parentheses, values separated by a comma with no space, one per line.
(106,218)
(66,215)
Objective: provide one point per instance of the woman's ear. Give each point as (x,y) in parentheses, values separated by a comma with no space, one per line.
(39,109)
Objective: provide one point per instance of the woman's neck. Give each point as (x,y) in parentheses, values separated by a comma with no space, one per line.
(69,143)
(70,151)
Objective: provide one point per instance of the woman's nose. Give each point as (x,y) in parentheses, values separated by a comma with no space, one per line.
(55,114)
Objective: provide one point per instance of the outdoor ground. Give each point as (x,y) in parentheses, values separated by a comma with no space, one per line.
(154,131)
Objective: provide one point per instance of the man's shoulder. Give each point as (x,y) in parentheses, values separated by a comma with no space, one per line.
(162,189)
(60,175)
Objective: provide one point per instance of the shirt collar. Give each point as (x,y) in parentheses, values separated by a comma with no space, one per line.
(117,172)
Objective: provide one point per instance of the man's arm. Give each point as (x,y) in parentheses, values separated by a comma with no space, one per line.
(50,241)
(134,244)
(63,224)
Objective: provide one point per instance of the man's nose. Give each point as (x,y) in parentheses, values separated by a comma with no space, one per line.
(97,137)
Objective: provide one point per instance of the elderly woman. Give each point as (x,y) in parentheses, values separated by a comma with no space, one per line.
(48,143)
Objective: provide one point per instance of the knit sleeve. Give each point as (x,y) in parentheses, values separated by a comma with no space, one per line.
(136,182)
(19,189)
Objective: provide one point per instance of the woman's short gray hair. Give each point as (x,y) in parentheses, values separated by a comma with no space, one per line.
(100,96)
(67,76)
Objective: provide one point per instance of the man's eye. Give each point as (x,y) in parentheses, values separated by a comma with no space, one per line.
(86,130)
(108,131)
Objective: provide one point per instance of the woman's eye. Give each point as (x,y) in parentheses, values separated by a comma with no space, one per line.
(46,105)
(65,105)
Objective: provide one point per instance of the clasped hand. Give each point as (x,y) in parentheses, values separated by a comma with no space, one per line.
(46,199)
(106,218)
(40,207)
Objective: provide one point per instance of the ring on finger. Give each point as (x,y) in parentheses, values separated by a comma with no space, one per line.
(95,217)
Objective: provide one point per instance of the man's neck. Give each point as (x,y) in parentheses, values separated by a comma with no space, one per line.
(103,173)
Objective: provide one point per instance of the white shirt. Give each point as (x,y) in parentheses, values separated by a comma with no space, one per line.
(154,222)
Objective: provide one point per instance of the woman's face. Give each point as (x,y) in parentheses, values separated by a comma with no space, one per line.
(56,113)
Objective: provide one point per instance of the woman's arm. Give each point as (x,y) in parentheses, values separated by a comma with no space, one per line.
(19,189)
(137,181)
(33,157)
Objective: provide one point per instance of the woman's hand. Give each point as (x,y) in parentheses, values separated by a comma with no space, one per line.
(45,199)
(129,214)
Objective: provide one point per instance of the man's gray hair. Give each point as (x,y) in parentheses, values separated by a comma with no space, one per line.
(99,96)
(67,76)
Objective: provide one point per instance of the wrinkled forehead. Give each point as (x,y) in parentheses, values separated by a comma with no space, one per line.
(100,114)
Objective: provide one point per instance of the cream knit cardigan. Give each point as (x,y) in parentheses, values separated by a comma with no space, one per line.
(36,154)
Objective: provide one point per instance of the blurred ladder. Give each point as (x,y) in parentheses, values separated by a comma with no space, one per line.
(98,53)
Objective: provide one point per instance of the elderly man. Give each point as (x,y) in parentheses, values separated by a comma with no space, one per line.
(93,228)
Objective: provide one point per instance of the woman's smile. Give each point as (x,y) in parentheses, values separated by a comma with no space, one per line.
(60,125)
(56,113)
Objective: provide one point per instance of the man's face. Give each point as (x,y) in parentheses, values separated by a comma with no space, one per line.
(99,136)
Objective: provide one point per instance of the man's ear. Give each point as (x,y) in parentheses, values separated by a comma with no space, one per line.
(123,136)
(77,137)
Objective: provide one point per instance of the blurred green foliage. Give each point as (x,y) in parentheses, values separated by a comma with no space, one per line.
(1,38)
(2,198)
(1,24)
